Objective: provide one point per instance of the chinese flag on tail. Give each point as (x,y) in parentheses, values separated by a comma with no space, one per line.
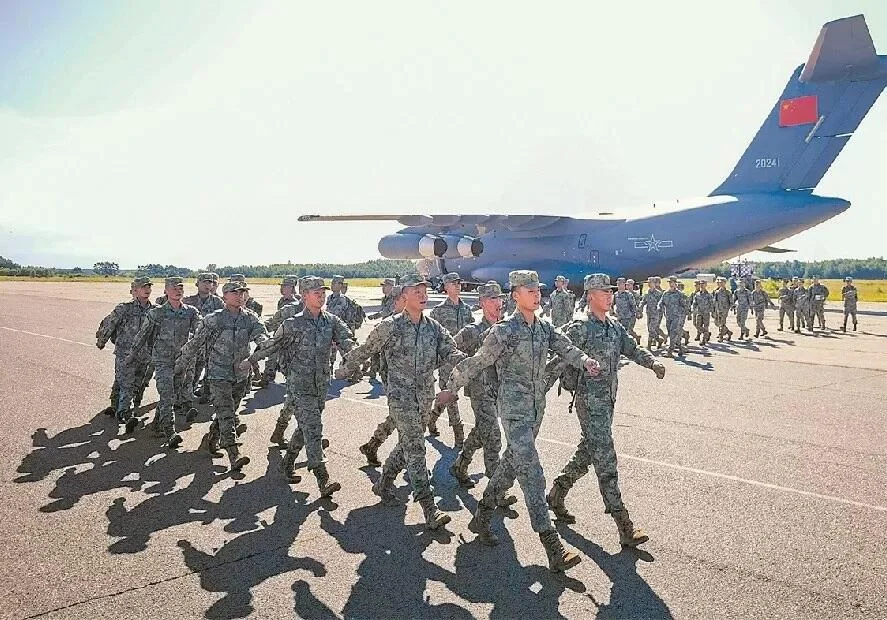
(798,111)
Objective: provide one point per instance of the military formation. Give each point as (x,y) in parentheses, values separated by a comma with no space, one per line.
(207,348)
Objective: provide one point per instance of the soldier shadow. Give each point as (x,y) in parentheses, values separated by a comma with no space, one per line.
(790,343)
(720,347)
(377,390)
(706,366)
(494,575)
(630,595)
(270,396)
(392,577)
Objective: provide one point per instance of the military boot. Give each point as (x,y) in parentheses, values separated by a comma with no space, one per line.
(132,423)
(757,333)
(854,327)
(173,441)
(384,488)
(288,467)
(458,436)
(370,451)
(137,400)
(210,442)
(504,500)
(277,436)
(650,344)
(326,487)
(480,524)
(237,462)
(459,471)
(555,499)
(559,559)
(434,517)
(696,338)
(109,410)
(629,535)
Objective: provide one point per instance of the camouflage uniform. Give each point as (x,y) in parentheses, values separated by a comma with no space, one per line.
(723,301)
(673,304)
(561,305)
(453,316)
(650,301)
(850,296)
(625,305)
(742,302)
(272,365)
(304,340)
(225,336)
(341,306)
(802,308)
(701,306)
(121,327)
(786,306)
(818,294)
(205,305)
(510,305)
(519,351)
(605,341)
(386,310)
(760,301)
(413,352)
(162,336)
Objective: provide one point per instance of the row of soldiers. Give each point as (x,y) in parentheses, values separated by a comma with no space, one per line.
(507,370)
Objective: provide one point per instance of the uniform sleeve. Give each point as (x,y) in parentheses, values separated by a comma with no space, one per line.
(447,351)
(490,350)
(109,324)
(274,322)
(631,350)
(565,349)
(189,352)
(465,339)
(469,318)
(374,344)
(144,336)
(342,336)
(577,333)
(271,346)
(258,333)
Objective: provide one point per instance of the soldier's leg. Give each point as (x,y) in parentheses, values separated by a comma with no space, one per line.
(853,313)
(270,372)
(741,318)
(412,443)
(371,448)
(114,396)
(820,312)
(791,318)
(652,331)
(224,399)
(781,317)
(309,411)
(123,379)
(184,384)
(166,388)
(375,363)
(199,388)
(705,320)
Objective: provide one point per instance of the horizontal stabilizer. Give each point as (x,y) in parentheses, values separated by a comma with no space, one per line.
(774,250)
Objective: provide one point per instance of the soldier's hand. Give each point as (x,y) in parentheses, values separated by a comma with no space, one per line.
(592,367)
(245,365)
(444,397)
(659,369)
(340,373)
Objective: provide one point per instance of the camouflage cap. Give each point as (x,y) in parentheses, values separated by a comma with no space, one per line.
(233,287)
(289,280)
(338,279)
(848,279)
(412,280)
(206,277)
(630,280)
(598,282)
(397,291)
(312,283)
(672,278)
(657,279)
(490,290)
(529,279)
(237,277)
(451,277)
(560,279)
(620,279)
(173,281)
(141,281)
(214,276)
(387,282)
(720,279)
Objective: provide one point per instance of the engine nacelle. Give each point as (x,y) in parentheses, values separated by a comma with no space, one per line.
(463,247)
(412,246)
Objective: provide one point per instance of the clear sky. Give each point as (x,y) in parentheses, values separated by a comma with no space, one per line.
(196,132)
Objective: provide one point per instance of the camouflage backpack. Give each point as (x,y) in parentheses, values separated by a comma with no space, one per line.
(354,315)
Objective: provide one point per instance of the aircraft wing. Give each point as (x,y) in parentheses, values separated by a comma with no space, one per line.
(774,250)
(516,222)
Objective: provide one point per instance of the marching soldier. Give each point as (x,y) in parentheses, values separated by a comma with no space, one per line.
(723,301)
(650,301)
(288,296)
(818,295)
(786,305)
(386,310)
(673,304)
(206,301)
(560,303)
(625,305)
(849,296)
(702,305)
(742,304)
(760,301)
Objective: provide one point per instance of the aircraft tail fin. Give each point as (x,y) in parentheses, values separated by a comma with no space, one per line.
(822,105)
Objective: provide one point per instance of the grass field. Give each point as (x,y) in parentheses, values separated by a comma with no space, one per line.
(869,290)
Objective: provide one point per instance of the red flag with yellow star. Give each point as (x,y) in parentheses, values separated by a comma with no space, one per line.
(798,111)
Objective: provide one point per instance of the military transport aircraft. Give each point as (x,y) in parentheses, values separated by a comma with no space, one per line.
(766,198)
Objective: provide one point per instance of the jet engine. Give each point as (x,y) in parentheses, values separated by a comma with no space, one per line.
(412,246)
(463,247)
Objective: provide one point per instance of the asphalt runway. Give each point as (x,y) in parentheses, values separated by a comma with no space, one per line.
(757,469)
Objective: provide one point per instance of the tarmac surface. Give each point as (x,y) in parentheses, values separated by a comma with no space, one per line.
(758,469)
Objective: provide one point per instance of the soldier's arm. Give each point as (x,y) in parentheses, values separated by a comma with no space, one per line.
(490,350)
(631,350)
(188,354)
(143,339)
(565,349)
(342,336)
(281,339)
(447,351)
(258,333)
(109,325)
(577,332)
(466,339)
(274,322)
(374,343)
(469,318)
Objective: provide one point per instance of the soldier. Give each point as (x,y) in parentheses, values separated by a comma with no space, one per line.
(510,305)
(673,304)
(702,305)
(818,294)
(760,301)
(518,348)
(786,305)
(305,341)
(206,302)
(482,390)
(453,314)
(121,327)
(692,313)
(604,340)
(650,301)
(386,310)
(561,303)
(288,296)
(164,332)
(723,301)
(626,306)
(802,307)
(742,304)
(286,412)
(849,296)
(225,335)
(414,346)
(371,448)
(338,304)
(685,332)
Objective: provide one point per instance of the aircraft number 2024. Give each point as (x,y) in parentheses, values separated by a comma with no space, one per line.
(767,162)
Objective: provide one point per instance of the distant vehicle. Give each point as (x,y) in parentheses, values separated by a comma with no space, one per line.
(767,197)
